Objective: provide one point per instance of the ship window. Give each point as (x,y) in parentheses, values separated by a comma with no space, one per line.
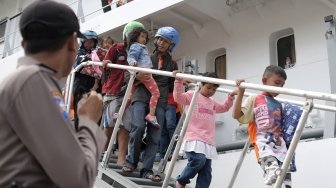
(286,52)
(220,66)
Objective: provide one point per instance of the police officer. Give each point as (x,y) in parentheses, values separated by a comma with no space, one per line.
(39,147)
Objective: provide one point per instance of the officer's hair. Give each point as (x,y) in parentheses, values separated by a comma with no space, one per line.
(273,69)
(33,46)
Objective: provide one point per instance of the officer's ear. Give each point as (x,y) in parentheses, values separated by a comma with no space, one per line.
(72,43)
(23,42)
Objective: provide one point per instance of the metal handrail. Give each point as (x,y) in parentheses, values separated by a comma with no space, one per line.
(300,103)
(308,105)
(296,138)
(247,143)
(181,135)
(6,37)
(279,90)
(84,16)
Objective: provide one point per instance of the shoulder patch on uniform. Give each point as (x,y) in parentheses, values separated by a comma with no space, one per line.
(58,97)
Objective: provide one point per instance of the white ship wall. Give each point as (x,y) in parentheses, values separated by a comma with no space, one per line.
(315,163)
(248,49)
(245,39)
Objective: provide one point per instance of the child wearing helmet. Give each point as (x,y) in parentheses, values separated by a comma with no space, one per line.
(138,55)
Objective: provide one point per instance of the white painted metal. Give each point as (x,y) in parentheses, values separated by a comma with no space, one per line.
(293,92)
(245,37)
(108,152)
(239,163)
(300,103)
(181,136)
(296,138)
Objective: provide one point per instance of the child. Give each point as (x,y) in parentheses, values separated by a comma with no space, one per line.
(199,141)
(98,55)
(263,114)
(138,55)
(107,42)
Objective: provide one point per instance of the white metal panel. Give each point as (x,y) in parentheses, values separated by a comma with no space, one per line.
(315,162)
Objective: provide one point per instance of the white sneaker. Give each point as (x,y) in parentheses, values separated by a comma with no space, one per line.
(272,170)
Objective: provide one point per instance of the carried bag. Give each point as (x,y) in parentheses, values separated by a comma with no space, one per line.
(291,115)
(93,70)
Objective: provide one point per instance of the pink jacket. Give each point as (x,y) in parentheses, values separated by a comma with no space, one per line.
(201,126)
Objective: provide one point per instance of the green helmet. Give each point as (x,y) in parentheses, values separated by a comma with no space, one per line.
(130,26)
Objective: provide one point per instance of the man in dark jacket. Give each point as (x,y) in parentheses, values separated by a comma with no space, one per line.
(166,39)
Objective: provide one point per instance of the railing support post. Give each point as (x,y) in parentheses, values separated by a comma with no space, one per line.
(108,152)
(182,133)
(307,107)
(239,164)
(163,162)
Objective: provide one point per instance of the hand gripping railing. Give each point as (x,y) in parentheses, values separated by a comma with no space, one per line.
(308,95)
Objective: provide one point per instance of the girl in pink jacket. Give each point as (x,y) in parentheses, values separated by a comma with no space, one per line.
(199,141)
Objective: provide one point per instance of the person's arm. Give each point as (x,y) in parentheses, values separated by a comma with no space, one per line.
(220,108)
(179,96)
(69,158)
(237,110)
(133,54)
(171,80)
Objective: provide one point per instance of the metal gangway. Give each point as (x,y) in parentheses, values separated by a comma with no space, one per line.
(104,167)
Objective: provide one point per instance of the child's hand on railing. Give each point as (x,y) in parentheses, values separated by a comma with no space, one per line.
(105,62)
(233,93)
(175,72)
(240,89)
(185,81)
(134,64)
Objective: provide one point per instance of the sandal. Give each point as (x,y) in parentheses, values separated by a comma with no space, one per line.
(150,175)
(127,168)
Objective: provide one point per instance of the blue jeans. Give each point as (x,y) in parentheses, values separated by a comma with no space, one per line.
(168,129)
(197,164)
(138,124)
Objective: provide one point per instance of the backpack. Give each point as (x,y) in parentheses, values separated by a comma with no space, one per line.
(291,115)
(290,119)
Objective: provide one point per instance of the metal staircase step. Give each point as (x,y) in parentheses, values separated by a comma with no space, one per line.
(115,176)
(115,166)
(135,174)
(148,186)
(99,183)
(146,182)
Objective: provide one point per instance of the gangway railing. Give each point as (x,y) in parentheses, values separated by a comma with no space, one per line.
(247,143)
(308,105)
(163,162)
